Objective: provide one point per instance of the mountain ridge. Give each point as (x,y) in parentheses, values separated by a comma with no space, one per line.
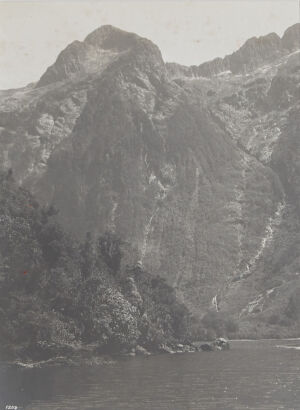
(254,52)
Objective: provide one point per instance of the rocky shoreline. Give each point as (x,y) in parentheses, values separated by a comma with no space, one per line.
(218,344)
(89,355)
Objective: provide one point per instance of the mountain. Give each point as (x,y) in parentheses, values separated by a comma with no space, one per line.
(196,167)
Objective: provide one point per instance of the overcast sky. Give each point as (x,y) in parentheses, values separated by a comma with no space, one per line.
(187,31)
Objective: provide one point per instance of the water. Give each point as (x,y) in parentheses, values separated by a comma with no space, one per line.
(252,375)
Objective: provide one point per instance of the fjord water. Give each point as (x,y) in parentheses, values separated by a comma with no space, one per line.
(252,375)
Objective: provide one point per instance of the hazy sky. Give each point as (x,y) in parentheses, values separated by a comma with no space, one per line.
(187,31)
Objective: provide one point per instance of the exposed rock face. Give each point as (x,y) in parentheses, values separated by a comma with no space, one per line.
(93,55)
(255,52)
(200,175)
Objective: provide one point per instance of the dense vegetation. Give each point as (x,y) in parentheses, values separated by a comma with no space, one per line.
(58,295)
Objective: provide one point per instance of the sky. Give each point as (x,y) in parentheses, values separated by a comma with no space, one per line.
(33,33)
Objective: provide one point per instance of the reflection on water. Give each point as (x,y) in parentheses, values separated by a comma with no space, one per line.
(289,347)
(252,375)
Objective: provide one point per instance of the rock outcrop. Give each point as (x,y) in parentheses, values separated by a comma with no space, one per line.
(218,344)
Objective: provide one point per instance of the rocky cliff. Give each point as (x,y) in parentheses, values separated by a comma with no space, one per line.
(195,166)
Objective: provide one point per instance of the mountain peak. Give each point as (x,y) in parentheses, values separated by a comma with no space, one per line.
(291,37)
(254,52)
(99,49)
(110,37)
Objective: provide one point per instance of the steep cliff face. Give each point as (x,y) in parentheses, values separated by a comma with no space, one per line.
(190,171)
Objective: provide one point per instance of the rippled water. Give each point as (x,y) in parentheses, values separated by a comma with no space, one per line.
(252,375)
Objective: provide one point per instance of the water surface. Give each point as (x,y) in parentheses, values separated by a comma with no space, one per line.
(252,375)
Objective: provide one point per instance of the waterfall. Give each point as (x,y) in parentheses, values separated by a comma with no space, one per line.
(147,231)
(259,301)
(192,207)
(112,224)
(274,221)
(214,302)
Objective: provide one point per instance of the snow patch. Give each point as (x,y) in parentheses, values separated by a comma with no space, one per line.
(224,73)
